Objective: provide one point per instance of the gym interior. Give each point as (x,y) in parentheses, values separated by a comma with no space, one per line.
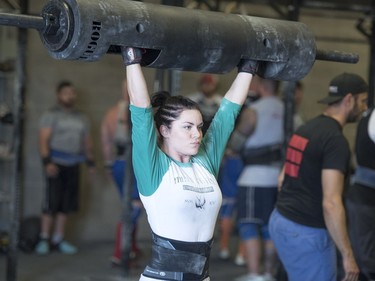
(28,77)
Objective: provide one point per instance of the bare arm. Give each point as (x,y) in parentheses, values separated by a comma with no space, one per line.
(280,178)
(371,126)
(335,219)
(44,138)
(237,93)
(248,120)
(88,148)
(245,127)
(137,87)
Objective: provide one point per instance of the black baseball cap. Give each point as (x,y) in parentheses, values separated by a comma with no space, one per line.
(344,84)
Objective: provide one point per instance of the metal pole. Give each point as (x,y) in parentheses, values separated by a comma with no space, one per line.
(159,80)
(289,89)
(16,190)
(174,82)
(127,209)
(370,35)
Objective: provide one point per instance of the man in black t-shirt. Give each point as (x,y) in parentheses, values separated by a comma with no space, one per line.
(309,218)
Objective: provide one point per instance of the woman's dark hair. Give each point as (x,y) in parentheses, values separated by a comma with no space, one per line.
(168,108)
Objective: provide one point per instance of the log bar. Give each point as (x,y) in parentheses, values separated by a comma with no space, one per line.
(176,38)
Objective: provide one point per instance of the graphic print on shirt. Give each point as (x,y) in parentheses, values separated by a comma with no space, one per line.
(200,186)
(200,202)
(294,154)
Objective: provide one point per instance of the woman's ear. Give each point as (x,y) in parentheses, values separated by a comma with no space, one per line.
(164,131)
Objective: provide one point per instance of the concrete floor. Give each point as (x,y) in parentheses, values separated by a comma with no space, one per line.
(92,264)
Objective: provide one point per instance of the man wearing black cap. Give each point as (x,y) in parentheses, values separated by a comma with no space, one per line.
(309,218)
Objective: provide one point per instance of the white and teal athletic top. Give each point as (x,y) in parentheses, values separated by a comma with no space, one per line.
(182,200)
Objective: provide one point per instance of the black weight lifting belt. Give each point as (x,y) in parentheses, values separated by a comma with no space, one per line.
(178,260)
(263,155)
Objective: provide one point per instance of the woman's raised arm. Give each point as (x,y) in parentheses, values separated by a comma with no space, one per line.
(137,87)
(239,89)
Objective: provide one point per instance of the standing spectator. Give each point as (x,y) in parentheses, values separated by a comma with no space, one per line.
(261,131)
(207,98)
(360,199)
(115,134)
(64,143)
(309,218)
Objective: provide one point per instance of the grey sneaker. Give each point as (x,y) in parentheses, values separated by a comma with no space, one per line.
(240,261)
(42,248)
(66,248)
(224,254)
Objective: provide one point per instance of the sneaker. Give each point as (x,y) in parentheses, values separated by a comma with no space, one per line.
(42,248)
(115,261)
(66,248)
(240,260)
(224,254)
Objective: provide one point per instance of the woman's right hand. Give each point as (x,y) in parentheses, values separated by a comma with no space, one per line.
(131,55)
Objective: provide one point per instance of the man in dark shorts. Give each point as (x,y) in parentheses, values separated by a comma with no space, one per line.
(64,143)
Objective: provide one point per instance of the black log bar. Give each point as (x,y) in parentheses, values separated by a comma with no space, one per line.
(176,38)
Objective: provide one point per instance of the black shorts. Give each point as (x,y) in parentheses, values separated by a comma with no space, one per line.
(255,204)
(62,191)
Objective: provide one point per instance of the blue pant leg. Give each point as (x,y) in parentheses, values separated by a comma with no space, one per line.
(118,174)
(307,253)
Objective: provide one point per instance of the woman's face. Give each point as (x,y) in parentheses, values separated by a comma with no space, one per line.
(183,138)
